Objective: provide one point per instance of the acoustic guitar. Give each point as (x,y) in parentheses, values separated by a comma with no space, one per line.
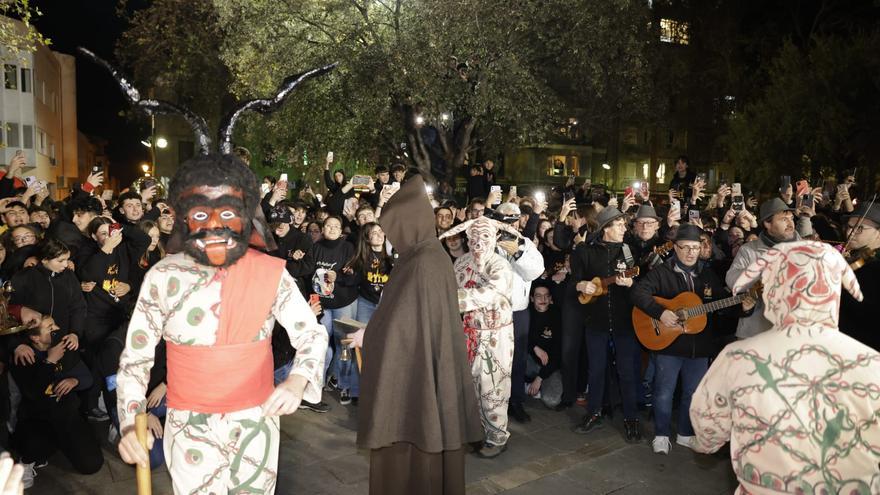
(691,312)
(603,283)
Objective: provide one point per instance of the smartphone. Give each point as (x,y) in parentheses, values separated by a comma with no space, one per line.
(96,169)
(283,178)
(807,200)
(628,190)
(496,189)
(736,202)
(676,205)
(736,189)
(360,181)
(29,180)
(803,187)
(513,191)
(702,177)
(693,215)
(395,185)
(784,183)
(329,156)
(114,227)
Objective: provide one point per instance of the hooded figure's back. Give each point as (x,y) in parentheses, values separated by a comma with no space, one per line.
(416,385)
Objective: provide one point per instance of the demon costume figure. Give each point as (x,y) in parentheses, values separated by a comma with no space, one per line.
(800,403)
(216,304)
(484,297)
(414,354)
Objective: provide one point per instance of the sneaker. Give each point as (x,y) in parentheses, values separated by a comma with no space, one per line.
(345,397)
(518,413)
(685,441)
(27,479)
(318,407)
(96,415)
(661,445)
(490,451)
(632,430)
(591,422)
(331,385)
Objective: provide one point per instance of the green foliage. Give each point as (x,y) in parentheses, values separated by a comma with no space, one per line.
(820,108)
(16,40)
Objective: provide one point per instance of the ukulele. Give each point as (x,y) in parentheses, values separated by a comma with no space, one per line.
(691,312)
(603,283)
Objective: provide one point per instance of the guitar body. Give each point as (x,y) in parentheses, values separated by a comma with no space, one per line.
(588,298)
(655,335)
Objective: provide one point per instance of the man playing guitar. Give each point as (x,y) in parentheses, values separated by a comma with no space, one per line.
(689,354)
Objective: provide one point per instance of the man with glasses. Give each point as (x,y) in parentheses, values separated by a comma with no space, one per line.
(863,230)
(607,318)
(645,236)
(687,356)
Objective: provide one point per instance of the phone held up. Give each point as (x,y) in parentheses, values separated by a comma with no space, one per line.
(113,228)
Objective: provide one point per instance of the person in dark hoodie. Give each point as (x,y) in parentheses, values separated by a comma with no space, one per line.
(415,353)
(336,286)
(687,356)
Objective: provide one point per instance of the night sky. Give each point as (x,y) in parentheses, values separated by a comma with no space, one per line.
(95,25)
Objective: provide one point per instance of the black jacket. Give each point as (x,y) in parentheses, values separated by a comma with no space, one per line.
(612,311)
(666,282)
(857,318)
(335,199)
(105,269)
(545,331)
(301,270)
(34,380)
(57,294)
(335,255)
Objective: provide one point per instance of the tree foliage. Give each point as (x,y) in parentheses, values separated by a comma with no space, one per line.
(819,110)
(15,40)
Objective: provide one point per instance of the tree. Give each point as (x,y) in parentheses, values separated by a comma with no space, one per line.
(19,39)
(820,108)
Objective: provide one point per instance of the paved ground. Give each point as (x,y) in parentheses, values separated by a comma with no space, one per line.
(318,456)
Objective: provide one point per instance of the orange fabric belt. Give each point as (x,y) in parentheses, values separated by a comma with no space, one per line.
(219,378)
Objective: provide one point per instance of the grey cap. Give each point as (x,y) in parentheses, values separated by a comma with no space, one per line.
(870,212)
(606,216)
(647,211)
(772,207)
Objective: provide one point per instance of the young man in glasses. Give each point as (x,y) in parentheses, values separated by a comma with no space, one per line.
(687,356)
(862,228)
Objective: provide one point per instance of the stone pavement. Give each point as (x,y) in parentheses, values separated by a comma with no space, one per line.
(318,456)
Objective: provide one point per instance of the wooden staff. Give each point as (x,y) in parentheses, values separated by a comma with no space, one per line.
(143,473)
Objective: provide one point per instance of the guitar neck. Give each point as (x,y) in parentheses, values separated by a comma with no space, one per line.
(716,305)
(610,280)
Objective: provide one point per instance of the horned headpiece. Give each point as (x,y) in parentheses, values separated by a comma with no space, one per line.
(481,234)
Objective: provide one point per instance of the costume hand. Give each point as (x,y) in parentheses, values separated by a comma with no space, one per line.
(357,338)
(10,476)
(64,387)
(669,319)
(586,287)
(70,341)
(156,396)
(624,281)
(24,355)
(130,449)
(87,286)
(535,386)
(509,247)
(154,425)
(542,355)
(286,397)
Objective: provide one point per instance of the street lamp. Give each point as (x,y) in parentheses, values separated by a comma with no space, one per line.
(420,120)
(607,168)
(161,143)
(145,167)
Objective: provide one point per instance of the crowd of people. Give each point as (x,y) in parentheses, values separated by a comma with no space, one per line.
(548,283)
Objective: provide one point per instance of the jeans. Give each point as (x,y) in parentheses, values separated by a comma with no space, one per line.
(333,365)
(365,310)
(627,350)
(283,371)
(157,453)
(520,352)
(668,370)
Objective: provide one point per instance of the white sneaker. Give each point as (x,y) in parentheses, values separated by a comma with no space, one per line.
(661,445)
(685,441)
(27,479)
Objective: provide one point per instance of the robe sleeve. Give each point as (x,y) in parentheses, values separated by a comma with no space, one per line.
(306,336)
(711,408)
(144,332)
(500,279)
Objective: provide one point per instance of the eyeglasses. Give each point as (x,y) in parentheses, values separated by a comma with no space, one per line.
(859,229)
(24,237)
(688,249)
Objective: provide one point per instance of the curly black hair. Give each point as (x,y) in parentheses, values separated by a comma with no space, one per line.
(214,170)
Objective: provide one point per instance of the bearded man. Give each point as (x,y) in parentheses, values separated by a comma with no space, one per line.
(215,304)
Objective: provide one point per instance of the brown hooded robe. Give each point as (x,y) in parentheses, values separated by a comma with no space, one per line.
(418,406)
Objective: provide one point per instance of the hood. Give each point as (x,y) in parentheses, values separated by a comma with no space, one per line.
(802,284)
(408,218)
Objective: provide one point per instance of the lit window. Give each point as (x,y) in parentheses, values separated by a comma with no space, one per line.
(661,172)
(672,31)
(11,72)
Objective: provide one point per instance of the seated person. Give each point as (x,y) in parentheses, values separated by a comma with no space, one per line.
(543,378)
(49,418)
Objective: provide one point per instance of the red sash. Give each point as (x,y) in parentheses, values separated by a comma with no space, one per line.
(236,372)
